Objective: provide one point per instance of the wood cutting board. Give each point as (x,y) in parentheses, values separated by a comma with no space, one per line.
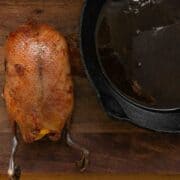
(116,146)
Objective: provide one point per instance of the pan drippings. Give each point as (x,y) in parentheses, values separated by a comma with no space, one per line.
(138,44)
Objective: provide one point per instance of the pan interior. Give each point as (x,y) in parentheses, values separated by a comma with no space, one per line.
(138,45)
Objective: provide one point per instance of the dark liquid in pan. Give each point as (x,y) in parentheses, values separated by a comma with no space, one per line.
(138,43)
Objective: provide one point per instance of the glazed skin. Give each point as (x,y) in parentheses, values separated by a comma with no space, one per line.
(38,90)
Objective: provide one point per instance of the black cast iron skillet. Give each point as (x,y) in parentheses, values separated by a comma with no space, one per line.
(116,103)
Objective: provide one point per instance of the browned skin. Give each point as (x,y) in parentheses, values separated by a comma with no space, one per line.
(38,89)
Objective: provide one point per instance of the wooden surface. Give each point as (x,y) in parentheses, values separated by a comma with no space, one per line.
(96,177)
(115,146)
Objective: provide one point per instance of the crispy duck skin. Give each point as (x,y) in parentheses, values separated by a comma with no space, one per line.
(38,90)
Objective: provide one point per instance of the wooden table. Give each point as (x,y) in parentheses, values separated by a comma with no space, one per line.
(116,146)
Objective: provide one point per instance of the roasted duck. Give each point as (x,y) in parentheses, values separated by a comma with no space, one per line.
(38,90)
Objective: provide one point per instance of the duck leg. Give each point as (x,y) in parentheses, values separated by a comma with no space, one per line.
(14,171)
(84,161)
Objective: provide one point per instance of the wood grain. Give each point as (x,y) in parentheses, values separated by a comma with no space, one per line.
(96,177)
(116,146)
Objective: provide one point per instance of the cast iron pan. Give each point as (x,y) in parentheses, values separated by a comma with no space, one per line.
(124,92)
